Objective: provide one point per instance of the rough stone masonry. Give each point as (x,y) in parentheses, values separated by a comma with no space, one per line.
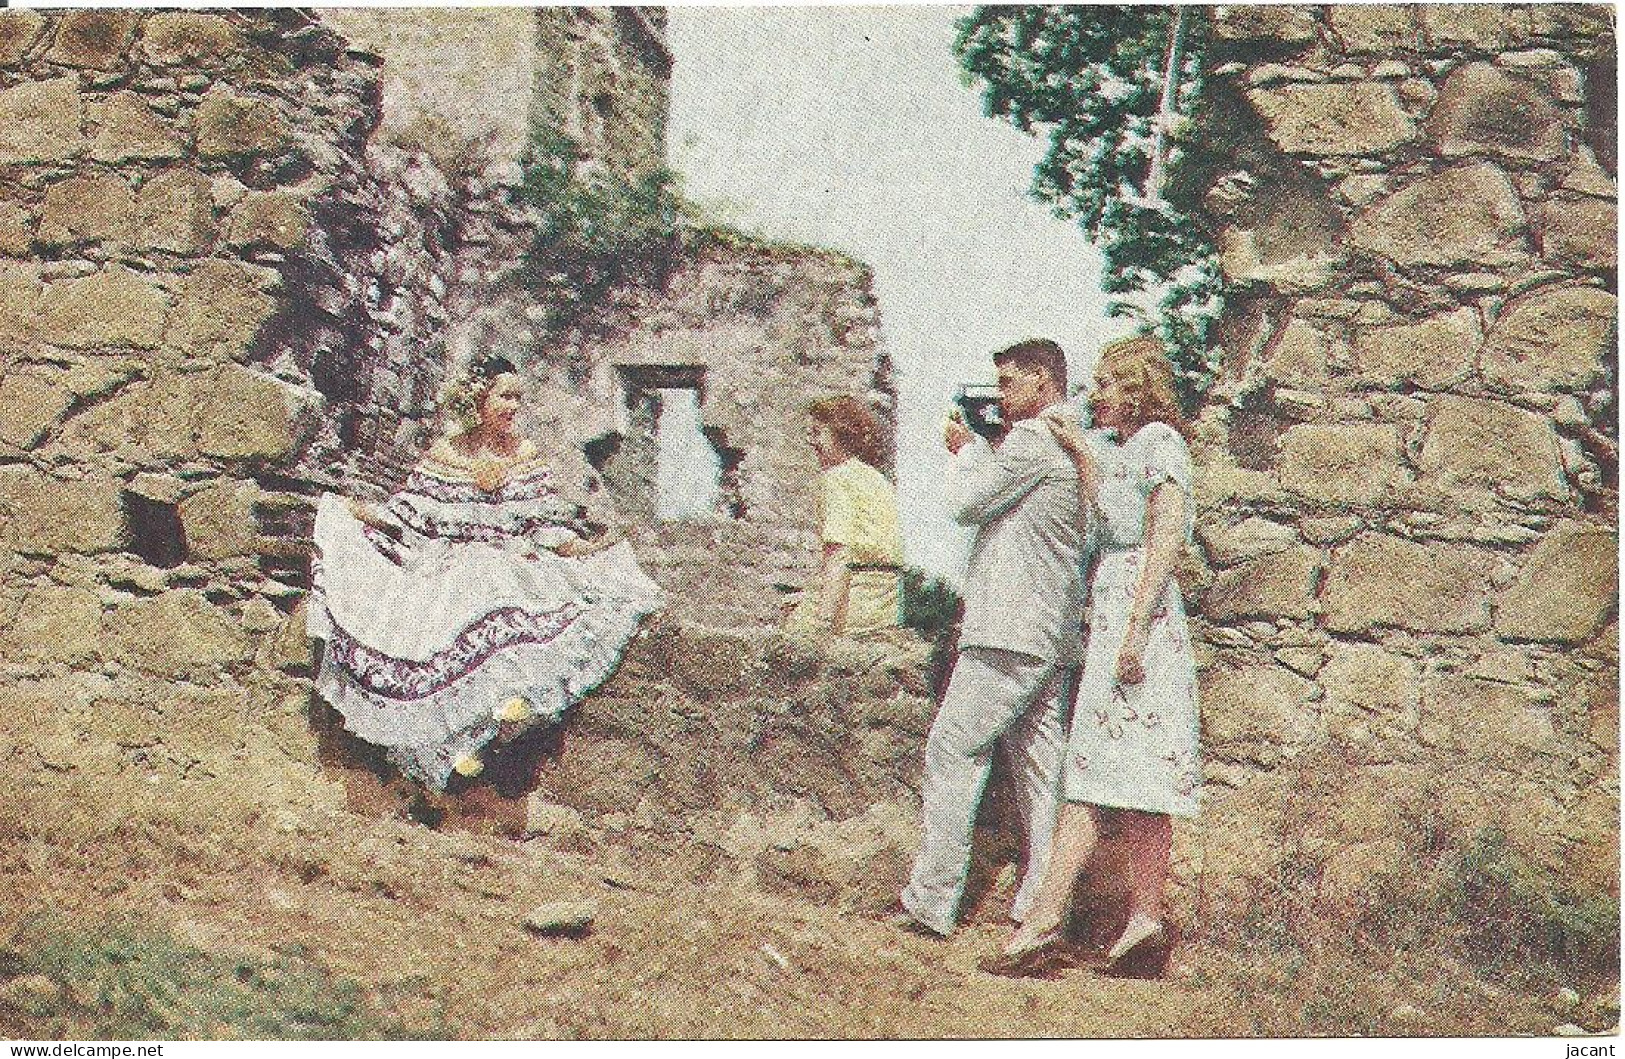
(1409,472)
(166,176)
(238,252)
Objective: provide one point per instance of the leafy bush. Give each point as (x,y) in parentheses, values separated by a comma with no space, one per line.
(127,983)
(597,229)
(930,604)
(932,608)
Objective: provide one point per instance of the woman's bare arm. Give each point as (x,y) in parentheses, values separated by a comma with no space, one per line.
(576,547)
(1164,520)
(836,589)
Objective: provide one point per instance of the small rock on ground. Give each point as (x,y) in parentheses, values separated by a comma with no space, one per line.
(566,918)
(28,990)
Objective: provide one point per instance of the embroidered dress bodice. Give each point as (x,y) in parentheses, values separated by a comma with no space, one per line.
(1130,473)
(443,501)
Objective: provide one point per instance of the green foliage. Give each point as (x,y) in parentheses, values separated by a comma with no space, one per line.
(597,230)
(133,984)
(930,605)
(1090,78)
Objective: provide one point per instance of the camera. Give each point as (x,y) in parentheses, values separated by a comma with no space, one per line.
(979,405)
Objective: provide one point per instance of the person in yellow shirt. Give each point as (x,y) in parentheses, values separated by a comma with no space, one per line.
(857,590)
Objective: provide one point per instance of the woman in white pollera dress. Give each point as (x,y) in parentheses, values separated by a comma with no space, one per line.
(475,603)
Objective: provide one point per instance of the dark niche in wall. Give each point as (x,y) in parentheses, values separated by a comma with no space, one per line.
(154,531)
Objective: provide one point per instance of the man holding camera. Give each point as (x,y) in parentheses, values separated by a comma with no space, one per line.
(1023,608)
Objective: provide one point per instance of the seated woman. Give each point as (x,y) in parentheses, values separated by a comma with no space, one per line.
(857,590)
(475,603)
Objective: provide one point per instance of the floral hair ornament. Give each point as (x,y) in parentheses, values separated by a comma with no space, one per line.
(461,398)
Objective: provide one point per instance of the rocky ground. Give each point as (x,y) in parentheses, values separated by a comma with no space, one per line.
(736,864)
(432,927)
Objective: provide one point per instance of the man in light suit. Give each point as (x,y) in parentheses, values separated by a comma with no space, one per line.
(1019,640)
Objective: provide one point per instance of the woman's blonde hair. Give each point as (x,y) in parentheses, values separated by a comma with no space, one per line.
(1141,364)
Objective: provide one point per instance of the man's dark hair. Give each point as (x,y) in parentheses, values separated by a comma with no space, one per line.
(1036,354)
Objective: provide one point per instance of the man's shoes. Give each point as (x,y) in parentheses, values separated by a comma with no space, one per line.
(900,918)
(1044,958)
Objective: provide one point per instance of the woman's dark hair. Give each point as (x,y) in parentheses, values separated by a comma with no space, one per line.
(489,365)
(462,397)
(857,429)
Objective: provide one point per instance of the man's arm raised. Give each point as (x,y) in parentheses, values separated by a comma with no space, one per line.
(988,482)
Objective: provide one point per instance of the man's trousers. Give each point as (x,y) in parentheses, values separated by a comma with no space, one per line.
(995,698)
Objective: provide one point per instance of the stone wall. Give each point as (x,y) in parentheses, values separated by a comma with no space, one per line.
(412,264)
(1408,497)
(236,261)
(162,174)
(474,81)
(430,282)
(603,76)
(452,80)
(764,331)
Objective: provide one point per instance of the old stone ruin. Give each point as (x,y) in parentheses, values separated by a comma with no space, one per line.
(241,253)
(238,252)
(1409,470)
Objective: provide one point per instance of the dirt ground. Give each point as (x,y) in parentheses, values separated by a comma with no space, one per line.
(739,825)
(431,927)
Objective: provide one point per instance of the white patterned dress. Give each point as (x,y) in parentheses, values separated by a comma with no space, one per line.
(1136,746)
(433,629)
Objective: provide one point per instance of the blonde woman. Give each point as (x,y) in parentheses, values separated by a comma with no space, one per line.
(476,602)
(856,593)
(1133,748)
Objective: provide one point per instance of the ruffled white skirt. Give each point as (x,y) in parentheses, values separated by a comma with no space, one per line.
(427,641)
